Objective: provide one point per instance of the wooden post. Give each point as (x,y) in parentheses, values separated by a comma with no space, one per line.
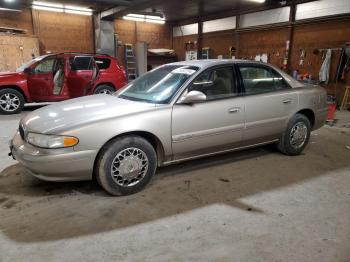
(290,35)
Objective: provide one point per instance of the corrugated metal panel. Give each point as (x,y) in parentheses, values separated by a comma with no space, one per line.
(272,16)
(191,29)
(219,24)
(322,8)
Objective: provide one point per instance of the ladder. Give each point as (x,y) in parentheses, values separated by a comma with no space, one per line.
(205,52)
(130,62)
(346,99)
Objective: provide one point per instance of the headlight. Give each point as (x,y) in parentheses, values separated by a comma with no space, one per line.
(51,141)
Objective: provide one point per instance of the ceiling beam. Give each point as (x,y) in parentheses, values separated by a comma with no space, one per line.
(135,7)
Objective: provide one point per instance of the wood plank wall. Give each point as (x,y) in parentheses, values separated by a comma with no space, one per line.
(130,32)
(329,34)
(16,50)
(21,20)
(57,32)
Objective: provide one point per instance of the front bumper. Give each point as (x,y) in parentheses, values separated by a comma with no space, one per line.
(53,164)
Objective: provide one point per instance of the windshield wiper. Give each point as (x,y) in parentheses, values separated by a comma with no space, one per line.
(136,99)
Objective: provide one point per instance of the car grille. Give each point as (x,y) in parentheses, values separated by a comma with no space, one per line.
(21,131)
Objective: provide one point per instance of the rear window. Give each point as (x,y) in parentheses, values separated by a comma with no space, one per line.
(103,63)
(81,63)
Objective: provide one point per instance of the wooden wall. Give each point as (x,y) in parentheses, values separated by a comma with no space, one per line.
(57,32)
(21,20)
(16,50)
(130,32)
(61,32)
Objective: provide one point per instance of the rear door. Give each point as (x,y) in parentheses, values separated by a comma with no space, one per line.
(40,82)
(81,74)
(269,102)
(211,126)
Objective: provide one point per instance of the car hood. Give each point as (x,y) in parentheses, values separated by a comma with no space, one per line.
(6,75)
(76,112)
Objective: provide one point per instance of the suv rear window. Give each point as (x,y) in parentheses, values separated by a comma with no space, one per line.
(103,63)
(81,63)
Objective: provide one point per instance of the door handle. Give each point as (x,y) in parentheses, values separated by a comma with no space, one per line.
(287,101)
(46,79)
(234,110)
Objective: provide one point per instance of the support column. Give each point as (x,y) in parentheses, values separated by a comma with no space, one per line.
(104,36)
(290,35)
(200,40)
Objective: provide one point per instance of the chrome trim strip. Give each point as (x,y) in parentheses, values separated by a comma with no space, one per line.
(207,133)
(217,153)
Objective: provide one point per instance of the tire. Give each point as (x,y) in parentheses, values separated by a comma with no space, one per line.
(104,89)
(297,135)
(11,101)
(133,161)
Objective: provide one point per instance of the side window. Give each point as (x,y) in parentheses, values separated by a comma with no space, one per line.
(258,80)
(103,63)
(216,83)
(45,66)
(81,63)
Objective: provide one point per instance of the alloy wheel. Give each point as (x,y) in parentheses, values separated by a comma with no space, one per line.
(9,102)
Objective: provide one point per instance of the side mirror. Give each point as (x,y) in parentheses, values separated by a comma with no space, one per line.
(28,71)
(193,97)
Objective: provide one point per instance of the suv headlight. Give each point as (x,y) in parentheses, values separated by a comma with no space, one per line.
(51,141)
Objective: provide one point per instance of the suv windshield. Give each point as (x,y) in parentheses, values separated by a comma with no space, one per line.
(159,85)
(29,63)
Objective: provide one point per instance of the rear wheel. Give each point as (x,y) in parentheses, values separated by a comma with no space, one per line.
(295,138)
(126,165)
(104,89)
(11,101)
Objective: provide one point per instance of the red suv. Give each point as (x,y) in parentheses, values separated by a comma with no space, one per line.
(57,77)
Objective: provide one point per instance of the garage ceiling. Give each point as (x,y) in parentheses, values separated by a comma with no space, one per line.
(179,9)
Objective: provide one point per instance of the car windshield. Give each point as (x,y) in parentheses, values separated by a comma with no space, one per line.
(159,85)
(29,63)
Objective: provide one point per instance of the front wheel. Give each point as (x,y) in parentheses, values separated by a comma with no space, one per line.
(11,101)
(126,165)
(295,138)
(104,89)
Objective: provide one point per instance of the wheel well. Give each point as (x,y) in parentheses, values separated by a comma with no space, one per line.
(151,138)
(309,114)
(105,84)
(17,89)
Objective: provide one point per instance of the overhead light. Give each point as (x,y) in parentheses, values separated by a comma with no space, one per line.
(46,4)
(258,1)
(46,8)
(145,18)
(54,7)
(78,12)
(133,18)
(78,8)
(10,9)
(9,1)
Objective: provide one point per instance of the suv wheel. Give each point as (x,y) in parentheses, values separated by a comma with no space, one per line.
(296,137)
(104,89)
(126,165)
(11,101)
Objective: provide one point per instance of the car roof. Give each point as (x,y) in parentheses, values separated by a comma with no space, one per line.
(212,62)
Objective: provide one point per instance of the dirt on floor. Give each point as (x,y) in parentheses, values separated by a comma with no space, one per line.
(254,205)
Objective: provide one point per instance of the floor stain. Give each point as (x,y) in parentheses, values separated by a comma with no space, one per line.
(10,204)
(3,199)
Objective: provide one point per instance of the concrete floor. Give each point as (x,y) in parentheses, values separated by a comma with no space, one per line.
(255,205)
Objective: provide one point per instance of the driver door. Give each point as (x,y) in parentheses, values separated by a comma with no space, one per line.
(83,71)
(40,82)
(214,125)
